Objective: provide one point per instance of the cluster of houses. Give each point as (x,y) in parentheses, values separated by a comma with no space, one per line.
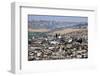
(59,46)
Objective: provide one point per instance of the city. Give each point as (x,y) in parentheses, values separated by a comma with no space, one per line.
(57,37)
(59,46)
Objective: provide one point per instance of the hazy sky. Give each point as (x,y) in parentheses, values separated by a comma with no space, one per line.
(58,18)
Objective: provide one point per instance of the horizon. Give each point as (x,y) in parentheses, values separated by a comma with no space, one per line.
(57,18)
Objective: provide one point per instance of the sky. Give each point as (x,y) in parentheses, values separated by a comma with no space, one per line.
(58,18)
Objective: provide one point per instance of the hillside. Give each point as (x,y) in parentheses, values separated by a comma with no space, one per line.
(67,30)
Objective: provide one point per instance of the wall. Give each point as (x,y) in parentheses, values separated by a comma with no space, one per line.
(5,33)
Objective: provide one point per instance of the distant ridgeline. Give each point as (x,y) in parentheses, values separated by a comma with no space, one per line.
(52,26)
(39,24)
